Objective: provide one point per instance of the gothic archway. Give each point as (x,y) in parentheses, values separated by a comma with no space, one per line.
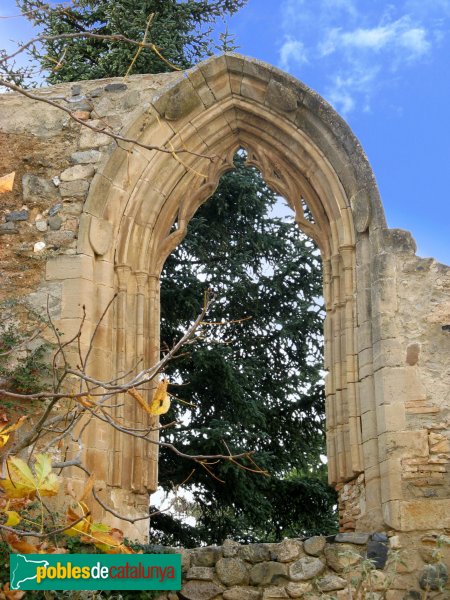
(138,209)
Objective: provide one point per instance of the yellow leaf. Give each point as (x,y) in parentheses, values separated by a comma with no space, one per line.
(88,487)
(6,431)
(21,483)
(160,403)
(86,401)
(83,526)
(13,518)
(7,182)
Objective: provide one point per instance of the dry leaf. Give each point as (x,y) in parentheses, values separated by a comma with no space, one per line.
(82,527)
(20,545)
(22,483)
(7,182)
(12,594)
(160,403)
(13,518)
(6,431)
(88,487)
(86,401)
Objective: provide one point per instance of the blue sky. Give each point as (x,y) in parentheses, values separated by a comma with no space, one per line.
(386,68)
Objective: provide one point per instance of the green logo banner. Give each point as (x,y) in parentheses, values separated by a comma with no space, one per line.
(95,571)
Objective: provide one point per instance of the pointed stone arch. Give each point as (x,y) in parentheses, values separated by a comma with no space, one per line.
(137,212)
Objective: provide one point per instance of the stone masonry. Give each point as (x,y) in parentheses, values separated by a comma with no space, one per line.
(348,565)
(91,217)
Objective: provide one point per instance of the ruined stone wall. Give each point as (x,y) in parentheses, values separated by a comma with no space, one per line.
(335,567)
(90,217)
(55,160)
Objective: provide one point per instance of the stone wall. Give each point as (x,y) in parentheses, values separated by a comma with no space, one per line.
(55,159)
(348,565)
(90,218)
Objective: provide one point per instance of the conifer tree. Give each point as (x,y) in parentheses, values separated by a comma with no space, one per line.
(180,29)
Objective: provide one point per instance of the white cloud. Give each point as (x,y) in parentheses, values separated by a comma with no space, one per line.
(396,37)
(416,41)
(358,51)
(292,52)
(345,90)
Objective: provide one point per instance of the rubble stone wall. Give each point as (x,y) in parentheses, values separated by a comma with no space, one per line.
(348,565)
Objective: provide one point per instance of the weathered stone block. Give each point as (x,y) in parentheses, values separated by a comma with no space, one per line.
(78,172)
(289,550)
(315,545)
(266,573)
(254,553)
(298,590)
(90,139)
(206,557)
(86,157)
(230,548)
(200,590)
(8,228)
(55,223)
(232,571)
(306,568)
(341,556)
(273,592)
(78,187)
(331,583)
(242,593)
(37,188)
(353,538)
(202,573)
(17,215)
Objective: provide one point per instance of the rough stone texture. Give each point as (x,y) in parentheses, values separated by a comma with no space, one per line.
(242,593)
(314,545)
(202,573)
(55,223)
(331,583)
(77,172)
(8,228)
(200,590)
(36,188)
(255,553)
(73,188)
(206,557)
(306,568)
(232,571)
(267,573)
(298,590)
(54,210)
(273,592)
(377,552)
(230,548)
(18,215)
(387,334)
(352,538)
(342,556)
(86,157)
(59,239)
(289,550)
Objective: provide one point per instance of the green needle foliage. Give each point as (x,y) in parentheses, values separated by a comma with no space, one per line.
(181,30)
(256,384)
